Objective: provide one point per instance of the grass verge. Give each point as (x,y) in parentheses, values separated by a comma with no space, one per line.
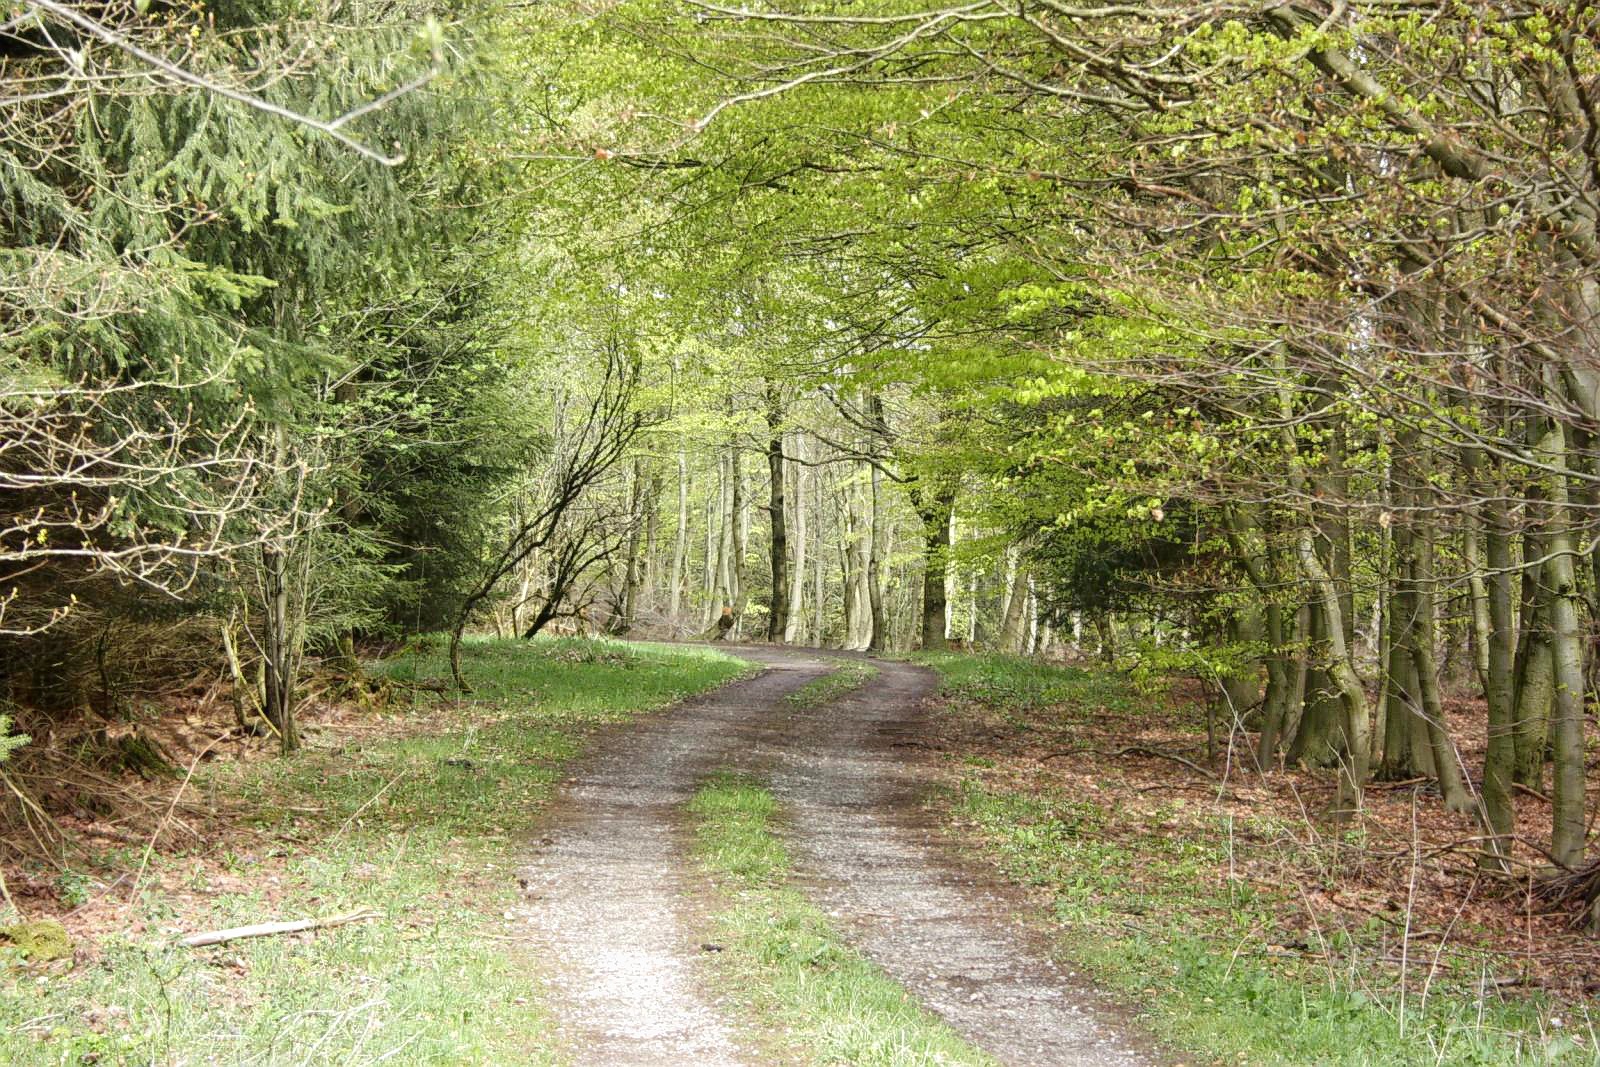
(416,812)
(843,679)
(784,961)
(1243,944)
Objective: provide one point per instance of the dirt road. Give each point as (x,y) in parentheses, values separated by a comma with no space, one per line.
(610,896)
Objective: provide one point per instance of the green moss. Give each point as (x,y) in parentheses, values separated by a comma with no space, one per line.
(40,941)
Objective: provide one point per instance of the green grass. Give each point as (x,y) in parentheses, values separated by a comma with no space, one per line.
(1013,682)
(1146,915)
(842,679)
(784,961)
(422,823)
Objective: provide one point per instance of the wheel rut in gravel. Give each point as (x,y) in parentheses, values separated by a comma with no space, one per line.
(606,894)
(610,890)
(952,935)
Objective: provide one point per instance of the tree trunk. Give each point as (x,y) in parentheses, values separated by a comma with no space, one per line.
(797,589)
(1012,634)
(778,615)
(879,638)
(1341,671)
(819,576)
(652,537)
(725,536)
(680,544)
(1316,742)
(278,652)
(1446,765)
(857,551)
(1399,760)
(708,585)
(739,522)
(1535,681)
(1500,758)
(634,578)
(1566,642)
(935,512)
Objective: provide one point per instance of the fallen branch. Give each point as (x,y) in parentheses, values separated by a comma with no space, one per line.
(1141,750)
(1528,789)
(218,937)
(1131,750)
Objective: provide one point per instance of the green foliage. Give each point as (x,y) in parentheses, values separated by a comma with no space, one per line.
(9,742)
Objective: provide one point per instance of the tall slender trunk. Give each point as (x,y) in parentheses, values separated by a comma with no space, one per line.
(1498,669)
(879,638)
(819,586)
(1012,635)
(739,523)
(1561,594)
(1250,546)
(278,649)
(635,574)
(778,615)
(652,539)
(1399,760)
(1315,741)
(710,585)
(1535,676)
(680,543)
(1446,765)
(935,510)
(857,550)
(1341,671)
(797,589)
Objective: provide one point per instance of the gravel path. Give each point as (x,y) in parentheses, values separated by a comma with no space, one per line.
(607,893)
(610,892)
(950,935)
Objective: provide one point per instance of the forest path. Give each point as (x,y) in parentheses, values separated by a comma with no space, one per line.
(611,892)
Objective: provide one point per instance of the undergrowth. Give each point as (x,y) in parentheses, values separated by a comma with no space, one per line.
(418,815)
(1224,966)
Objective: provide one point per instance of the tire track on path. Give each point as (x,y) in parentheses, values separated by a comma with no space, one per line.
(951,935)
(606,893)
(611,892)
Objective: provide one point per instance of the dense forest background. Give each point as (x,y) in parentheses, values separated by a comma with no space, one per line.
(1250,344)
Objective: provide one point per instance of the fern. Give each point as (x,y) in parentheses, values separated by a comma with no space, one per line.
(9,742)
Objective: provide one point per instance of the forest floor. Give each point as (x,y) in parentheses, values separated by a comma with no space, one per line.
(822,863)
(1240,916)
(418,810)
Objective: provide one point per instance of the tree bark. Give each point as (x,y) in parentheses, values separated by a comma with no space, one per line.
(739,521)
(797,588)
(680,543)
(877,528)
(935,510)
(1499,641)
(1012,634)
(778,614)
(634,577)
(1566,641)
(278,650)
(1446,765)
